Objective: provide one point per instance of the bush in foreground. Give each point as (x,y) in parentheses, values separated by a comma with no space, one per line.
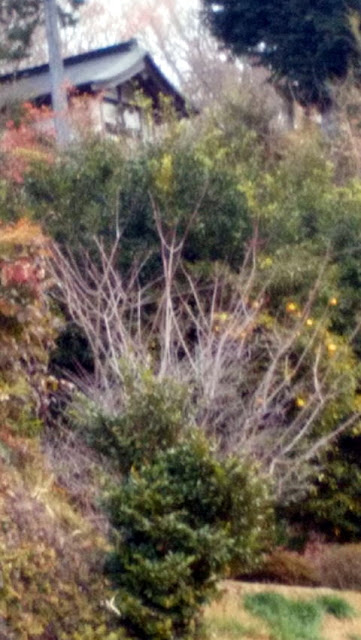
(180,521)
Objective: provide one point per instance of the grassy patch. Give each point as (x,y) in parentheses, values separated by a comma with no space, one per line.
(229,607)
(287,619)
(229,628)
(335,606)
(295,619)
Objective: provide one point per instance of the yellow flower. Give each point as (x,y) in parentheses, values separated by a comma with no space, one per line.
(331,347)
(309,322)
(267,262)
(356,431)
(222,316)
(333,302)
(291,307)
(164,175)
(300,402)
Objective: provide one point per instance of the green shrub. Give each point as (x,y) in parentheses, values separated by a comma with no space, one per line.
(332,505)
(111,191)
(335,606)
(179,523)
(83,180)
(149,416)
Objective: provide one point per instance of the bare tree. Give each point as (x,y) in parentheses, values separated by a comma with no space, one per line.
(175,36)
(259,386)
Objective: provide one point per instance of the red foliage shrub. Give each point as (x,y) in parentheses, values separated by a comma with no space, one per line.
(25,141)
(27,326)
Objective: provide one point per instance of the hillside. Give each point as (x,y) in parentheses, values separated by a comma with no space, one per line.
(179,376)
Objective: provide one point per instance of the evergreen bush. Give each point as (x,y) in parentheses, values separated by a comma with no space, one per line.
(179,522)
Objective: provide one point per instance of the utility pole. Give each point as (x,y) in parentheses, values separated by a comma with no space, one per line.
(57,79)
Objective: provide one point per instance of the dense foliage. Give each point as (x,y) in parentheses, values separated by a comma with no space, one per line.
(28,326)
(305,44)
(43,593)
(334,504)
(18,22)
(112,193)
(213,281)
(150,416)
(181,521)
(222,192)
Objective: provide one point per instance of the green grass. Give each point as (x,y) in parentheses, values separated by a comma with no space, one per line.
(295,619)
(335,606)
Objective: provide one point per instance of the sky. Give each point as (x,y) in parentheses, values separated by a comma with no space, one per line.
(139,28)
(105,30)
(116,5)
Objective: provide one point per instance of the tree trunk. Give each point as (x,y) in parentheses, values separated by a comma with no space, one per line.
(57,79)
(290,118)
(330,122)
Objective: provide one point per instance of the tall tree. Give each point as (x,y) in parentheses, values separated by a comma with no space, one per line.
(177,38)
(18,21)
(58,90)
(305,44)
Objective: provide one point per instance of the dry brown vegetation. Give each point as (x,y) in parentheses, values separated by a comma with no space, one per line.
(51,555)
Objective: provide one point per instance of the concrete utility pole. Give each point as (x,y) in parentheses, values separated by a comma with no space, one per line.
(58,89)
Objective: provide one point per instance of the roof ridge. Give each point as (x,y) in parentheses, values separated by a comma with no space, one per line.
(72,60)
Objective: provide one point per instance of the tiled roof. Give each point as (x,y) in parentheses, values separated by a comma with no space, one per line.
(108,67)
